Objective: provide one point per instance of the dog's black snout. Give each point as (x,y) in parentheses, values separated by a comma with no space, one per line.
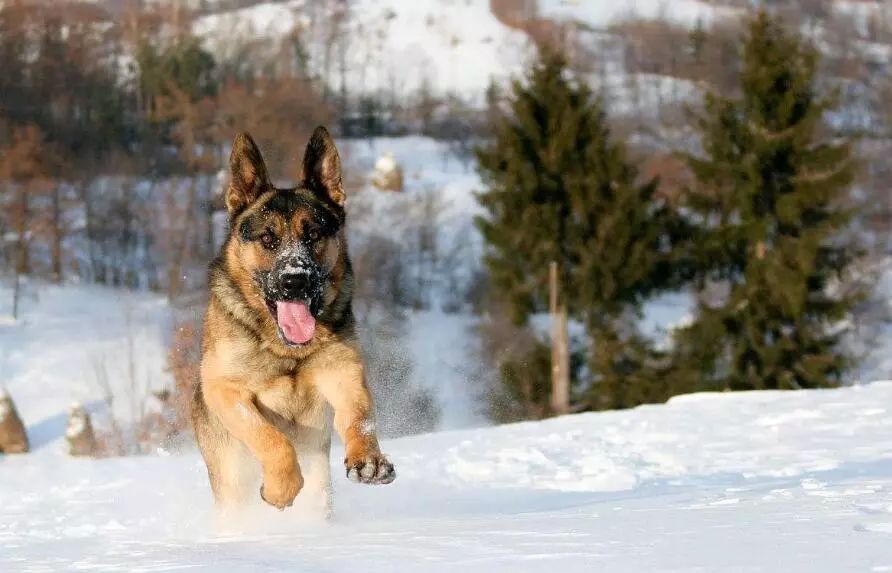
(295,285)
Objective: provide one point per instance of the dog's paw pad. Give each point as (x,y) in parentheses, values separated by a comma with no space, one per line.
(368,471)
(386,473)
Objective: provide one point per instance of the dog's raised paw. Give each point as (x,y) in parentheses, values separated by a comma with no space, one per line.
(374,470)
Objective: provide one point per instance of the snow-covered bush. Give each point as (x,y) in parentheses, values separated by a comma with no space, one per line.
(388,175)
(79,433)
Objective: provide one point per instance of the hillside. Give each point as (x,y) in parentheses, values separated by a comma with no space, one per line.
(399,45)
(744,482)
(395,44)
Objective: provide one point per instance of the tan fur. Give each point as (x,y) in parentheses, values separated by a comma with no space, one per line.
(262,405)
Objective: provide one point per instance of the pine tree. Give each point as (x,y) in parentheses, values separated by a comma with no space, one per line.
(526,170)
(560,189)
(769,196)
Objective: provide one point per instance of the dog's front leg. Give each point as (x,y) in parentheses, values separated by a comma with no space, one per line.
(237,411)
(345,389)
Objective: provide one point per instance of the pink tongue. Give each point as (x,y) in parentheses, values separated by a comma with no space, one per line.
(296,322)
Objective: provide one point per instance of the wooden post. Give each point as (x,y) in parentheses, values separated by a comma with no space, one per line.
(560,354)
(16,294)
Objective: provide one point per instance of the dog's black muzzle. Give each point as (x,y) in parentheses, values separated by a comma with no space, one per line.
(295,286)
(296,282)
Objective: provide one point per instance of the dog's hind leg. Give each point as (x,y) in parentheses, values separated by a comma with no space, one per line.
(313,446)
(235,479)
(315,497)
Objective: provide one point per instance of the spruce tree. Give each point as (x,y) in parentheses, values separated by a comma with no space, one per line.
(537,150)
(770,202)
(560,189)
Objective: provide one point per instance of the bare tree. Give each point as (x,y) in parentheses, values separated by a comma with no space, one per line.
(24,177)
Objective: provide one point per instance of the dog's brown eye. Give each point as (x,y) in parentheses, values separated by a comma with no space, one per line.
(268,240)
(314,234)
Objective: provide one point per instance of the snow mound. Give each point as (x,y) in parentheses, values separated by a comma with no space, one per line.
(386,163)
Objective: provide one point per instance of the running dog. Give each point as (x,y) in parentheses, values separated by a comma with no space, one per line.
(280,359)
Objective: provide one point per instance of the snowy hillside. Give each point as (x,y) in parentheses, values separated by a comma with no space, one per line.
(455,45)
(68,339)
(743,482)
(395,42)
(602,14)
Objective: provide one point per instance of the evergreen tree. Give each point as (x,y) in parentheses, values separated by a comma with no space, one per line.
(184,66)
(769,197)
(559,189)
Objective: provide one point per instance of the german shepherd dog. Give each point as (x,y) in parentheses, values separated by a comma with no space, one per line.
(280,359)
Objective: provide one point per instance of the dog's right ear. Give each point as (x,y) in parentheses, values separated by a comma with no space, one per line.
(248,175)
(322,167)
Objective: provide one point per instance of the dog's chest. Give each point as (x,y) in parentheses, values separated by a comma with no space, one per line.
(286,399)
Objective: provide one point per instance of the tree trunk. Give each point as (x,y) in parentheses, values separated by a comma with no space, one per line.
(56,245)
(89,229)
(16,288)
(560,355)
(23,259)
(180,247)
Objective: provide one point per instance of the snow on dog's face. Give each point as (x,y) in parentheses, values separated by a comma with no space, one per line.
(288,242)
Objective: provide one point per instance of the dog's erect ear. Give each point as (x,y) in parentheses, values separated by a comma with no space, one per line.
(322,167)
(248,175)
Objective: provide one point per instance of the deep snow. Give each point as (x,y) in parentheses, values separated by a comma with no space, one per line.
(712,482)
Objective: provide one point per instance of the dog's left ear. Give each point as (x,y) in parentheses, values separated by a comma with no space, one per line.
(322,167)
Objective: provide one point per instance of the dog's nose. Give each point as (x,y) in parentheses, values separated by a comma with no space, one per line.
(295,285)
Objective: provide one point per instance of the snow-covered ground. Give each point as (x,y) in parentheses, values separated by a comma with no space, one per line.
(69,339)
(762,481)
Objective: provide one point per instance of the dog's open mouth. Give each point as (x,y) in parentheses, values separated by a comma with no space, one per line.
(296,323)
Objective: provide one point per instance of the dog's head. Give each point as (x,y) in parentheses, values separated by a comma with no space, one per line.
(287,248)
